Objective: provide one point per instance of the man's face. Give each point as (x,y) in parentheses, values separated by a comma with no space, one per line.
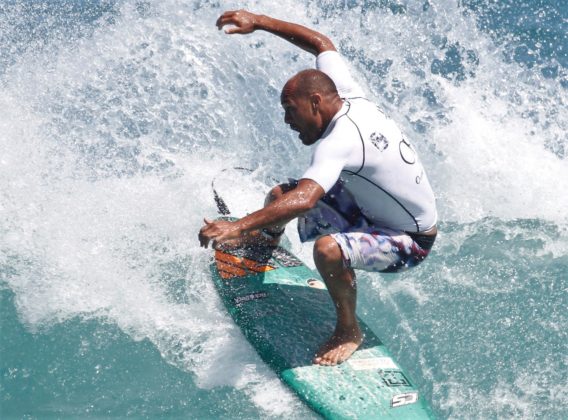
(300,116)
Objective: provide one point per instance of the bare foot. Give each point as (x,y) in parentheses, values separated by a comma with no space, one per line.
(339,347)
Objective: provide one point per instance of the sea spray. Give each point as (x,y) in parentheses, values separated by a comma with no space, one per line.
(115,122)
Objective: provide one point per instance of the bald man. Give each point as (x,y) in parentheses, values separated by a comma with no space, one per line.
(365,198)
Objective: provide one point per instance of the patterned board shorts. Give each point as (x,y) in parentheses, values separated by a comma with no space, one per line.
(364,247)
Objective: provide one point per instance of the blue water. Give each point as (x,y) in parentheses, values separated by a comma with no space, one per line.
(117,114)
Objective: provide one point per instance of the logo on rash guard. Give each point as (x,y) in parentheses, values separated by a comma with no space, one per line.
(379,141)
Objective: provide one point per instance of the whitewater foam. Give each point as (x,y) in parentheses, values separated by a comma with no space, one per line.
(109,142)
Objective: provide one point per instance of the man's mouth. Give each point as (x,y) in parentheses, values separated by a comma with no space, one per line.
(295,128)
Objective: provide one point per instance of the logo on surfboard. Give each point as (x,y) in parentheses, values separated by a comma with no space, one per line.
(404,399)
(239,300)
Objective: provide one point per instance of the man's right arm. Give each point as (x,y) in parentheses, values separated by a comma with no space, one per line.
(245,22)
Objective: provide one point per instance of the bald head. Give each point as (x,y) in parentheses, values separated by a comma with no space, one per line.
(310,100)
(308,82)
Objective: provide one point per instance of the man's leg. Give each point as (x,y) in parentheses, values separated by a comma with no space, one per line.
(340,282)
(379,250)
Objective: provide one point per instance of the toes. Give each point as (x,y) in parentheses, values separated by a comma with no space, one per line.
(332,357)
(322,361)
(326,362)
(328,359)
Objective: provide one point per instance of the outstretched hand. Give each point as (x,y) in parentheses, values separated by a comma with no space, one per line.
(217,232)
(244,22)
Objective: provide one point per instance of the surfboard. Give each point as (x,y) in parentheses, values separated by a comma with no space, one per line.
(285,312)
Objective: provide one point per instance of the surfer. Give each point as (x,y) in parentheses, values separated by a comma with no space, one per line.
(365,198)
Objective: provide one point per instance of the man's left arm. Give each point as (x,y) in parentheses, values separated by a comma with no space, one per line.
(246,22)
(291,205)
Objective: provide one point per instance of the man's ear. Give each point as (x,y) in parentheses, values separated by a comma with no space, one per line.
(315,101)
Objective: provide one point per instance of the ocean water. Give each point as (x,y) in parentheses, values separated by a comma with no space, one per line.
(115,117)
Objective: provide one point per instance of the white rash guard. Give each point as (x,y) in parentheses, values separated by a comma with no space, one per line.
(377,165)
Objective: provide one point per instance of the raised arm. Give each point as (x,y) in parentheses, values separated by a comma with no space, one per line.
(246,22)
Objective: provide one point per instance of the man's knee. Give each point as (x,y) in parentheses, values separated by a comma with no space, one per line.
(327,251)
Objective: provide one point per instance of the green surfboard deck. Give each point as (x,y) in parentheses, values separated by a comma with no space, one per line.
(267,292)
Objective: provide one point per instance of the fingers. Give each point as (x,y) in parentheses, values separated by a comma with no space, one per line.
(209,233)
(222,21)
(216,232)
(242,20)
(203,238)
(234,30)
(206,233)
(225,19)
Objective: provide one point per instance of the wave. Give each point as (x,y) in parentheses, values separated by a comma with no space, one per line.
(117,115)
